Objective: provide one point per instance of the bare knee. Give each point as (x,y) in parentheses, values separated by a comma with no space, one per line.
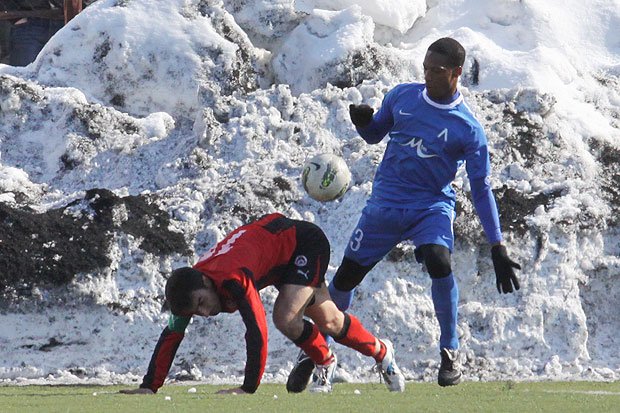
(288,324)
(437,260)
(330,324)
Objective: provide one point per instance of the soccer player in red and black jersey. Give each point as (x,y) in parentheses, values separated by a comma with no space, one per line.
(291,255)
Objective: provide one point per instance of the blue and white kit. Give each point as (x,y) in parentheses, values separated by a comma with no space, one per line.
(412,197)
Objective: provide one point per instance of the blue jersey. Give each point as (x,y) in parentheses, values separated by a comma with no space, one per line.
(428,142)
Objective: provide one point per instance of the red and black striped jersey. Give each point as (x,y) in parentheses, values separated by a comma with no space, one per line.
(253,251)
(244,262)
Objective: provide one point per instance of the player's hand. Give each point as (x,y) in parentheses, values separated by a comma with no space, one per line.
(361,115)
(504,270)
(139,390)
(236,390)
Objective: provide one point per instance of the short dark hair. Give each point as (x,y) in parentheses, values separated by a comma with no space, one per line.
(450,48)
(179,287)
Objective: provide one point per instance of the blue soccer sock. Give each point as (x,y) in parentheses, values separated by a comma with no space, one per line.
(445,295)
(343,299)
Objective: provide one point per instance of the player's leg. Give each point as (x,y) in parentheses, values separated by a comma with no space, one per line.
(288,317)
(288,312)
(347,330)
(434,237)
(444,291)
(289,307)
(348,276)
(376,233)
(307,269)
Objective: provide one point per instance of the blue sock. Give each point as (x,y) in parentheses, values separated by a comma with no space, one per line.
(343,299)
(445,295)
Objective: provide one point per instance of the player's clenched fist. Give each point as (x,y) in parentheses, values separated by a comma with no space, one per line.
(361,115)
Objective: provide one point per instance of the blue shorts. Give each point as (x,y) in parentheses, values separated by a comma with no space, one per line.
(381,228)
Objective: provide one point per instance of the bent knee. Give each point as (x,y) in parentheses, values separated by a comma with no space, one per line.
(288,324)
(350,274)
(437,260)
(332,324)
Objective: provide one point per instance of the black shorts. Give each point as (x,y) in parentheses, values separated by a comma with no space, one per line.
(310,258)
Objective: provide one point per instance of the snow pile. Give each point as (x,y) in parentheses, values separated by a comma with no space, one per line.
(147,130)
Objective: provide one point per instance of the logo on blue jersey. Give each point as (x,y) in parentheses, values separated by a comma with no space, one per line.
(421,150)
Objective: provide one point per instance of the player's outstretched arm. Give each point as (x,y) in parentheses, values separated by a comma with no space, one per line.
(506,278)
(139,390)
(163,355)
(253,316)
(484,201)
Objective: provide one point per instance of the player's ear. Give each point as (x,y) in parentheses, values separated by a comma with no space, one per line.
(208,283)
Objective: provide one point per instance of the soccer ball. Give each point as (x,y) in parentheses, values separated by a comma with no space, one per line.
(326,177)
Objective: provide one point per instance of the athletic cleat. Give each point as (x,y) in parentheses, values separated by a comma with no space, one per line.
(299,377)
(394,379)
(449,372)
(322,377)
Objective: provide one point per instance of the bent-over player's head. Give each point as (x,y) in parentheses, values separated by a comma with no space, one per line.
(443,64)
(189,292)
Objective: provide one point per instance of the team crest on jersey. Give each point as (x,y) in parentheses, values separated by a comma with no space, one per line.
(301,261)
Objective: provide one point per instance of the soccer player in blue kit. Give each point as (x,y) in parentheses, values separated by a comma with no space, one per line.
(432,132)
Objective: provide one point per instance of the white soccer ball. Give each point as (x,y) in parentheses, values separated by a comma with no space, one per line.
(326,177)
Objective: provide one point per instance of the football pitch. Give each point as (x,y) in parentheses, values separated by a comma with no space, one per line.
(590,397)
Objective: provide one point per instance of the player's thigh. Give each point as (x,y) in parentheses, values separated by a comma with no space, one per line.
(378,230)
(291,302)
(433,226)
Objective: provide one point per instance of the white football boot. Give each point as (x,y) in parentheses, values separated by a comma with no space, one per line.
(394,379)
(322,376)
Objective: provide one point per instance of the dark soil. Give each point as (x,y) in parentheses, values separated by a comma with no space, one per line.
(50,248)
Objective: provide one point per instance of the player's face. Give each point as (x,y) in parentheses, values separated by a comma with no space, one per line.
(441,79)
(205,302)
